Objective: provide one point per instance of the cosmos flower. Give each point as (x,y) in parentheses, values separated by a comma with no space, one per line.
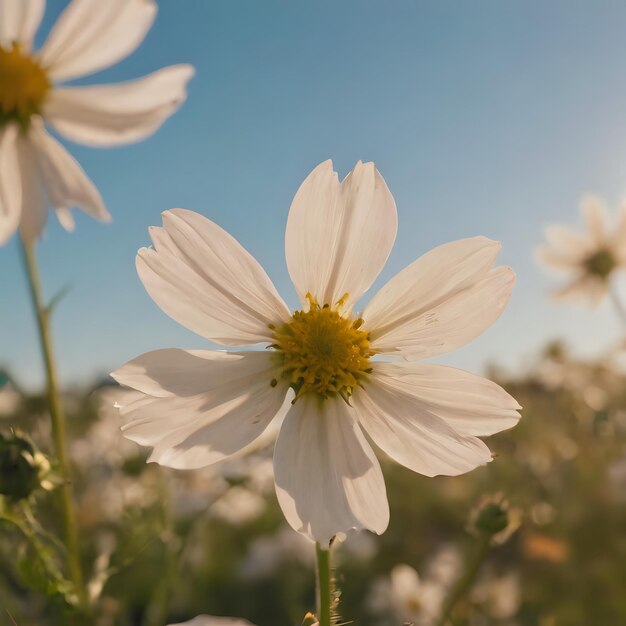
(198,407)
(591,258)
(90,35)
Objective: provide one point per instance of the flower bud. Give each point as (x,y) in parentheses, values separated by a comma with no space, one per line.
(21,466)
(494,518)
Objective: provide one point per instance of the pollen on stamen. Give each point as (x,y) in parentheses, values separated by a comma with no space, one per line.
(322,352)
(24,86)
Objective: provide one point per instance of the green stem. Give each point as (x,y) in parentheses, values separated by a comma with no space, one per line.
(460,590)
(58,422)
(324,586)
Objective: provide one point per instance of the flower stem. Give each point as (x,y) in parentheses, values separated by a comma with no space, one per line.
(460,590)
(324,586)
(58,422)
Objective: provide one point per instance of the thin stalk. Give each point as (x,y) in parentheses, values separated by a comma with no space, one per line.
(463,586)
(324,586)
(58,422)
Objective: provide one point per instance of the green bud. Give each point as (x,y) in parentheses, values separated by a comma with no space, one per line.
(492,518)
(21,466)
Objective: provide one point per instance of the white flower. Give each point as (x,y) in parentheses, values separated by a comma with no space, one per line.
(590,258)
(198,407)
(413,599)
(209,620)
(90,35)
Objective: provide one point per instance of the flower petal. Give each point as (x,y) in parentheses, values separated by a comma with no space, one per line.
(19,20)
(443,300)
(596,219)
(328,479)
(91,35)
(472,405)
(65,182)
(568,243)
(204,279)
(584,288)
(10,183)
(34,210)
(412,435)
(113,115)
(339,235)
(210,620)
(199,406)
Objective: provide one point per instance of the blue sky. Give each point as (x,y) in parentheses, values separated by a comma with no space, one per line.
(485,117)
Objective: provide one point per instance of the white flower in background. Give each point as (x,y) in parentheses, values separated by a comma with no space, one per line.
(409,598)
(590,258)
(90,35)
(198,406)
(209,620)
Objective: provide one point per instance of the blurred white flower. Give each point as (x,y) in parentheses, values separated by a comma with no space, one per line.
(413,599)
(267,554)
(591,258)
(198,407)
(90,35)
(239,506)
(499,597)
(210,620)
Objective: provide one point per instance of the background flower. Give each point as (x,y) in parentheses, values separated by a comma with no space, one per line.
(35,170)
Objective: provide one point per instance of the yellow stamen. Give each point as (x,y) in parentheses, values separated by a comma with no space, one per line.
(23,86)
(322,352)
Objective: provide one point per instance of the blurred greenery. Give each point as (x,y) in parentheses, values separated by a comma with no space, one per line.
(162,546)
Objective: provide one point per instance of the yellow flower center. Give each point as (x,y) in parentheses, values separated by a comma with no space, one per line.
(322,352)
(601,263)
(23,87)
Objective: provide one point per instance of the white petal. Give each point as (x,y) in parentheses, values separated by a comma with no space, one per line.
(414,436)
(204,279)
(557,260)
(568,243)
(199,406)
(472,405)
(443,300)
(91,35)
(210,620)
(113,115)
(587,289)
(596,218)
(339,235)
(34,211)
(328,479)
(19,20)
(10,182)
(66,183)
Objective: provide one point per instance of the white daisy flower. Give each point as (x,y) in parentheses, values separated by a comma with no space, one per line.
(198,406)
(590,258)
(90,35)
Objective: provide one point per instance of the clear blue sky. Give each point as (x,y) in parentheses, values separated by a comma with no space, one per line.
(485,117)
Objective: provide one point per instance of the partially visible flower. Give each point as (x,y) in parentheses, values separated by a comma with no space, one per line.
(591,258)
(499,597)
(90,35)
(494,518)
(198,407)
(210,620)
(417,600)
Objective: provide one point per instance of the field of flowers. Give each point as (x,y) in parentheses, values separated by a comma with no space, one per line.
(315,467)
(166,544)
